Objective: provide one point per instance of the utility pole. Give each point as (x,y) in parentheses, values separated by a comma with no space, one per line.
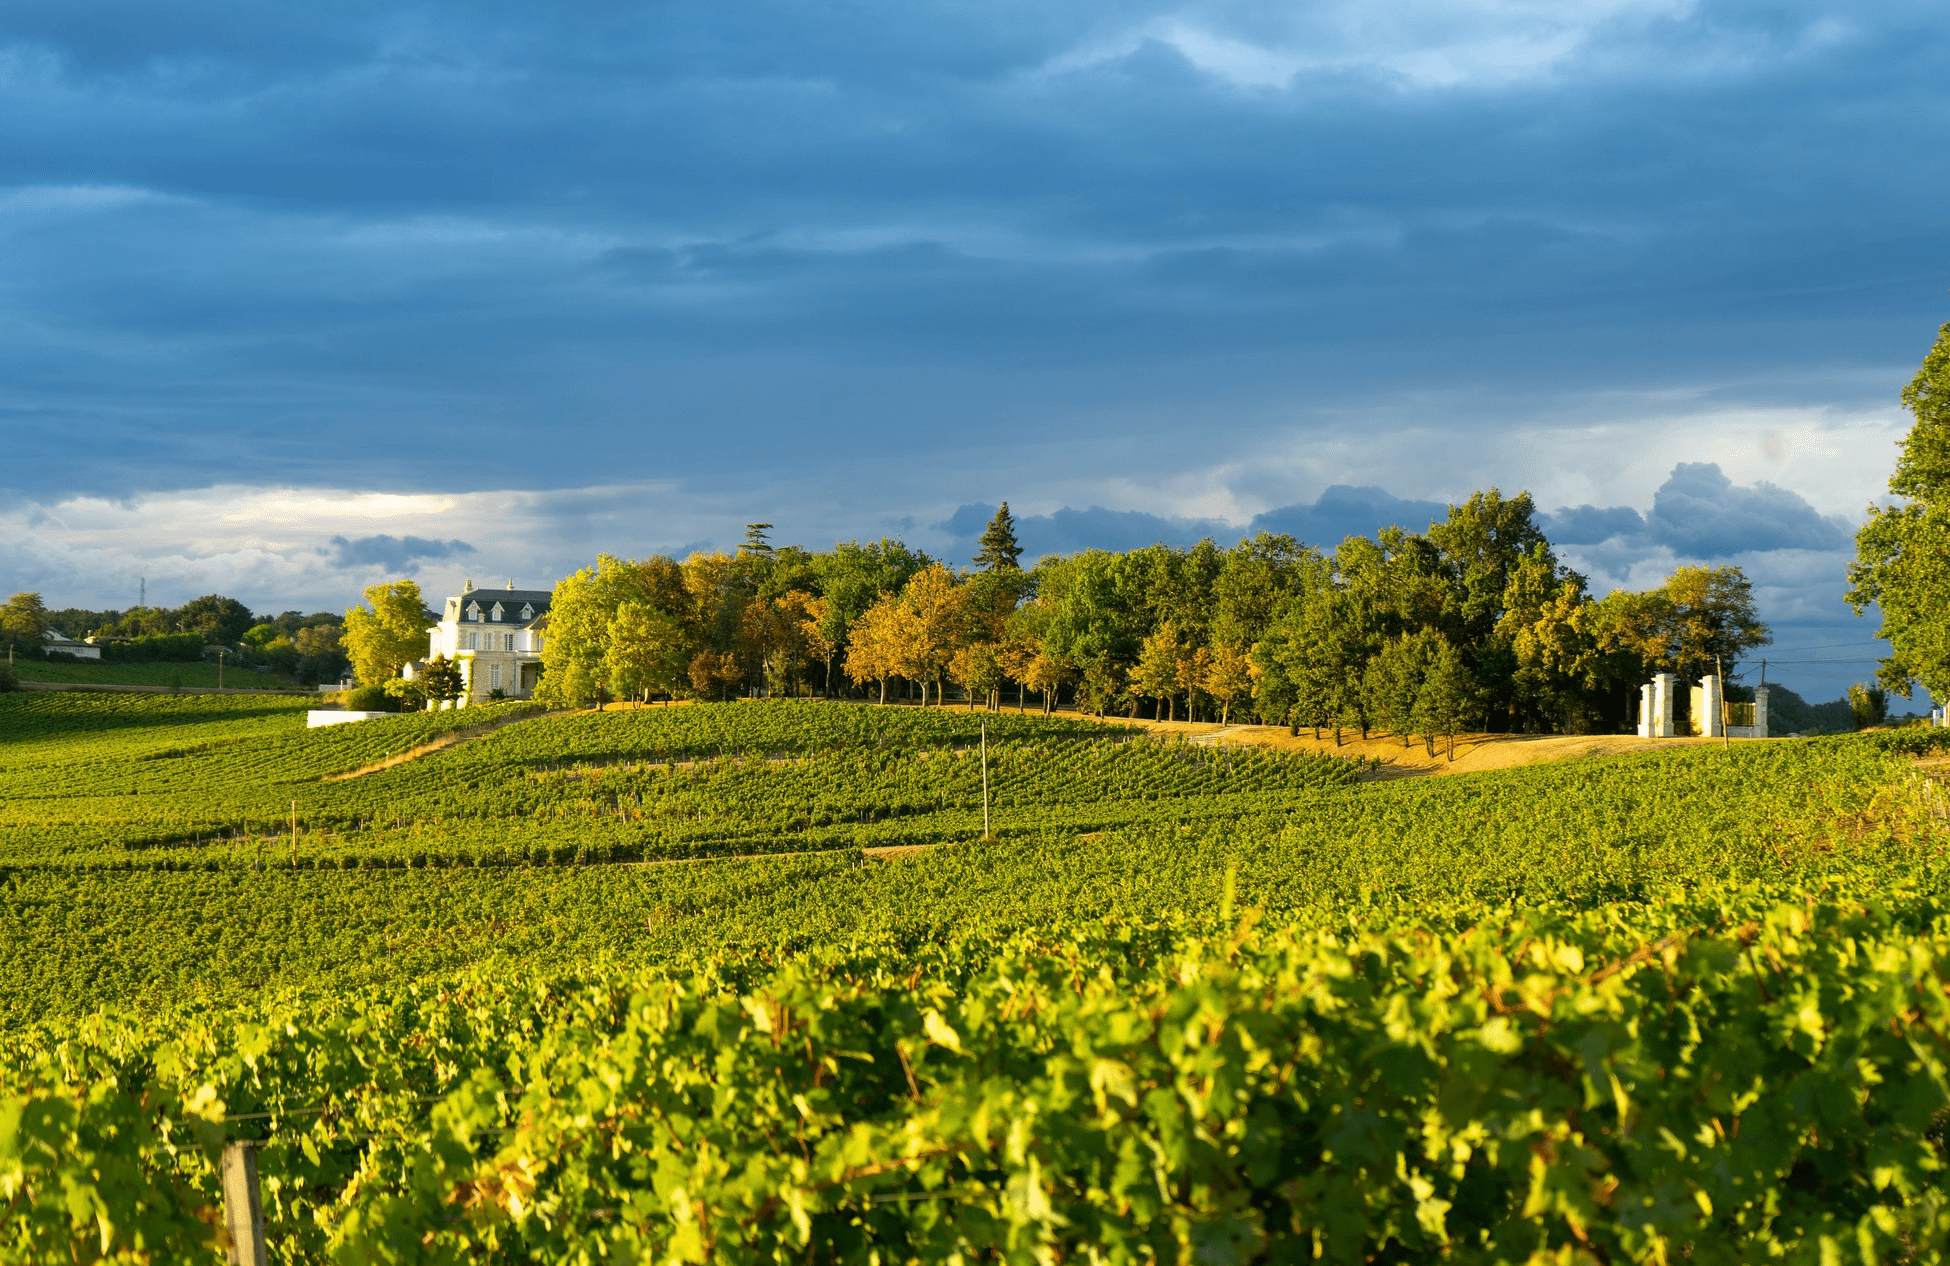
(985,781)
(143,599)
(221,652)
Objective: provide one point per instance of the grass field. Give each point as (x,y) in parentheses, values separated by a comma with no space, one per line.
(188,676)
(508,999)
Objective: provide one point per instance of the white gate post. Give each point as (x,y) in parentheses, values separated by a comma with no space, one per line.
(1663,685)
(1712,719)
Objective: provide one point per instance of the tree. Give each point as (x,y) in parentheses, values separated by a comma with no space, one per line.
(852,578)
(1046,674)
(1228,678)
(1698,615)
(1714,621)
(1868,704)
(714,673)
(976,670)
(1446,696)
(644,651)
(808,612)
(223,621)
(1392,681)
(1000,551)
(1902,553)
(874,652)
(441,680)
(391,634)
(1156,673)
(575,646)
(411,694)
(23,622)
(929,639)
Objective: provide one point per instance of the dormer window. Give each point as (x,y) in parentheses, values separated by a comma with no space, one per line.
(474,611)
(495,614)
(527,610)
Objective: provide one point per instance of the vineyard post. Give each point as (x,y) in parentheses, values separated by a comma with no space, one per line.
(294,835)
(985,781)
(243,1214)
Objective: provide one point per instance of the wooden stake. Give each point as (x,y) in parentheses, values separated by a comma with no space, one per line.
(243,1215)
(1726,740)
(985,781)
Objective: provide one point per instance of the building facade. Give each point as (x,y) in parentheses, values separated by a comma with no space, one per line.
(495,636)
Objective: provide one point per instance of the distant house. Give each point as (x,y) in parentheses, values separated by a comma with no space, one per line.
(495,635)
(61,644)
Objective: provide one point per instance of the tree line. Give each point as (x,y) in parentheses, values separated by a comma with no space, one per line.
(303,647)
(1472,624)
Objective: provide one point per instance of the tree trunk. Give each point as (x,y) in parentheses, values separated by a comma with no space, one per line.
(883,692)
(1337,734)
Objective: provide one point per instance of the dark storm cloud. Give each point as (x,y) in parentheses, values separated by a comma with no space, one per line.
(1699,513)
(396,553)
(267,243)
(1591,525)
(1069,531)
(1341,512)
(1337,513)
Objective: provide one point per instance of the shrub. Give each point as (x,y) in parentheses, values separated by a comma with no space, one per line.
(368,699)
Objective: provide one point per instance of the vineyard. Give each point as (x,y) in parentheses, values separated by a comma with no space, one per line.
(628,987)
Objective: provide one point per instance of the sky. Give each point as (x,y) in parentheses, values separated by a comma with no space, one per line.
(294,299)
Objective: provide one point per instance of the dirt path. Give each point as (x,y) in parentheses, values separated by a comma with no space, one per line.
(1474,752)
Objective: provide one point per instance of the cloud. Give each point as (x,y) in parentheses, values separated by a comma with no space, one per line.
(1091,227)
(1591,525)
(395,553)
(1068,531)
(1342,511)
(279,547)
(1699,513)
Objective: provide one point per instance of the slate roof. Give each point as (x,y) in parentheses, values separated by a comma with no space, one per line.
(499,608)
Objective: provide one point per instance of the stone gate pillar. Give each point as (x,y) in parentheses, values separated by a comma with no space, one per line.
(1709,717)
(1664,686)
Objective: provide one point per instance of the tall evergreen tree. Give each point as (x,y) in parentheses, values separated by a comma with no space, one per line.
(1000,552)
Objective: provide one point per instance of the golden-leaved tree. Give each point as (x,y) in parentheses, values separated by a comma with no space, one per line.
(875,651)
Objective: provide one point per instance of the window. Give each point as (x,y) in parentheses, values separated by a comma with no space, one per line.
(494,677)
(473,641)
(507,643)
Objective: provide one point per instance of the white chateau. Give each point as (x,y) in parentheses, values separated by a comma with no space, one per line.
(495,635)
